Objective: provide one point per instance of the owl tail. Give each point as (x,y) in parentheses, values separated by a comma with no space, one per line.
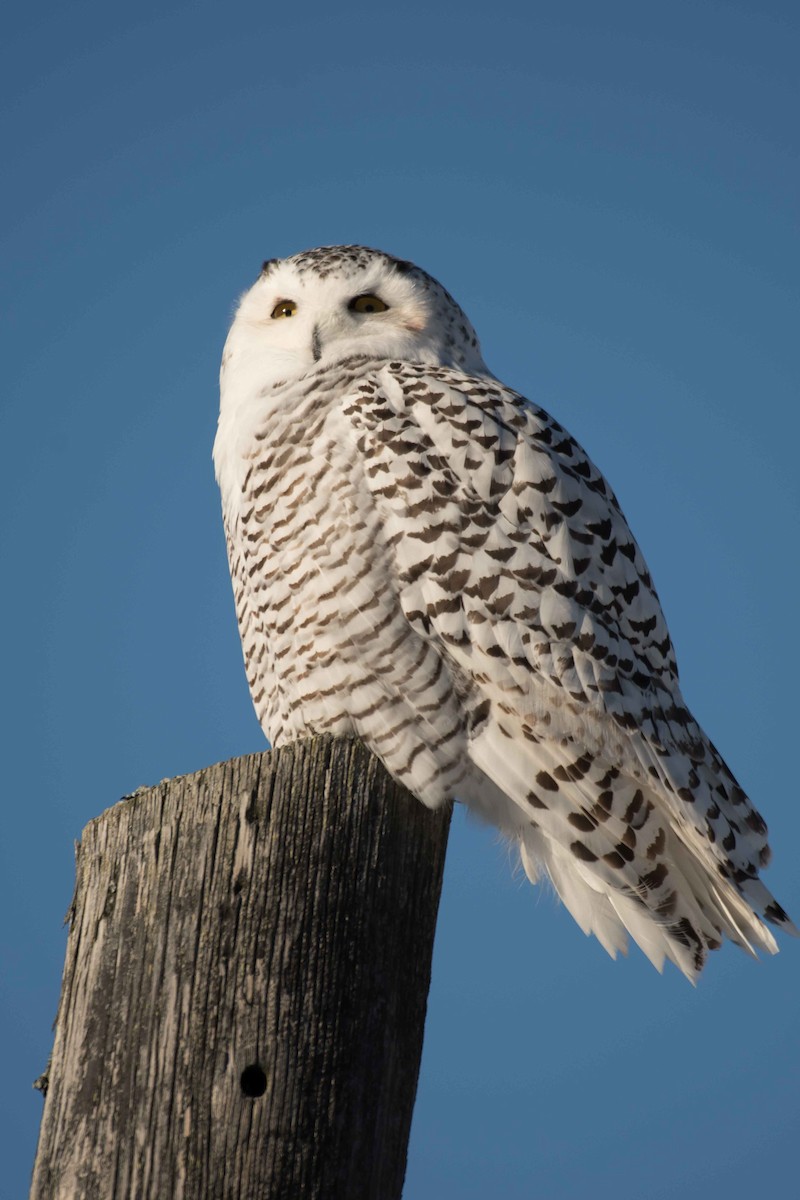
(612,852)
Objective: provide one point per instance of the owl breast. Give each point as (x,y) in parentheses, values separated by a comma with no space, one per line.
(326,644)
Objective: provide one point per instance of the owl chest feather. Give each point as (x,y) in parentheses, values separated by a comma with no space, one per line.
(326,643)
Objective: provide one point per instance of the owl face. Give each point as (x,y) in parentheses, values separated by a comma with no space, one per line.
(337,302)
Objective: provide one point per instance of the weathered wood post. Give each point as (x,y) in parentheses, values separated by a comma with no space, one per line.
(245,986)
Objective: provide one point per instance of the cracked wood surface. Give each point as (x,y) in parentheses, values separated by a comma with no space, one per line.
(245,985)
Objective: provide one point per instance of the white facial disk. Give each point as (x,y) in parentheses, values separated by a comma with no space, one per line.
(337,302)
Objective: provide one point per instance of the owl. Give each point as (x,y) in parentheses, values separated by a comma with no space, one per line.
(424,559)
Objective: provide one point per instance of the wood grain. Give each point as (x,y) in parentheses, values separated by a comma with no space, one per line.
(245,985)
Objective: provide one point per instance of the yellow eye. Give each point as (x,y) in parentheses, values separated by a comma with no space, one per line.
(284,308)
(367,304)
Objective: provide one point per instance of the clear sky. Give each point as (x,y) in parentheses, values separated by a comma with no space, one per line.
(610,190)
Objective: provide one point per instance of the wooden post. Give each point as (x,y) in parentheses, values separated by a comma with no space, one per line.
(245,986)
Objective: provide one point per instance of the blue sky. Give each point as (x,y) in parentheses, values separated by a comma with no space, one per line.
(610,191)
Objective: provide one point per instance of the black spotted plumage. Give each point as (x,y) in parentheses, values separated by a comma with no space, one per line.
(425,558)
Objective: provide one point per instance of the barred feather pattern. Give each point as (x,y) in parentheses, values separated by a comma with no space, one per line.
(423,558)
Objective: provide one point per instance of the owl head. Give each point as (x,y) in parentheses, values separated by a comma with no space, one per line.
(322,306)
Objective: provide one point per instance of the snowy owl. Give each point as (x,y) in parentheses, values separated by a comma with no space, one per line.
(423,558)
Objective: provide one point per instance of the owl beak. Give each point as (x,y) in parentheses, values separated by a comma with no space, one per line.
(316,344)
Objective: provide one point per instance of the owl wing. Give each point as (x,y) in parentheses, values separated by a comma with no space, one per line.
(513,555)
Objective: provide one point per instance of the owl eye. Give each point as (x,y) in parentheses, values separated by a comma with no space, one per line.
(367,304)
(284,308)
